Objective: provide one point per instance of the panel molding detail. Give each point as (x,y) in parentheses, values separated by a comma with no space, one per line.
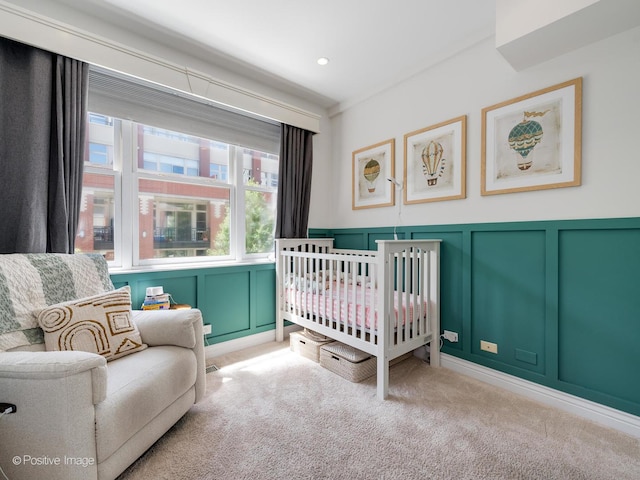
(237,301)
(559,299)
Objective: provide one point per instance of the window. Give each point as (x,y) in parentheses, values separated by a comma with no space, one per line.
(153,194)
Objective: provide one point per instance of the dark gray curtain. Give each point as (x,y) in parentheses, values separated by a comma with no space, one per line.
(43,98)
(294,182)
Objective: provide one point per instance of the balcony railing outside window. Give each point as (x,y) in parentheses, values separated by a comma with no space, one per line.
(180,237)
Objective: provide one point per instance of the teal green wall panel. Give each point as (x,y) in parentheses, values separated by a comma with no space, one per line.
(451,285)
(356,241)
(599,311)
(508,295)
(560,298)
(265,298)
(235,300)
(231,315)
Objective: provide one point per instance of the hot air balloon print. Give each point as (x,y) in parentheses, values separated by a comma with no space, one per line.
(432,162)
(371,173)
(524,137)
(370,166)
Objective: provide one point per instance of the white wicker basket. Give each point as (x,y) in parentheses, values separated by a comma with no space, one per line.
(307,344)
(348,362)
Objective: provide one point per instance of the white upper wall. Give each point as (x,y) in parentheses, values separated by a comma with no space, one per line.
(464,85)
(88,38)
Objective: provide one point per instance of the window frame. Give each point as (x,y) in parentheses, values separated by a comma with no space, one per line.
(127,175)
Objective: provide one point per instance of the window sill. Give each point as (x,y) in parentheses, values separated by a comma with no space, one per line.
(188,266)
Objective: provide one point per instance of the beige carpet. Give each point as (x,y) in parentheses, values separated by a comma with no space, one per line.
(271,414)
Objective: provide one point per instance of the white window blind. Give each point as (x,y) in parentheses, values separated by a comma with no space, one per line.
(122,96)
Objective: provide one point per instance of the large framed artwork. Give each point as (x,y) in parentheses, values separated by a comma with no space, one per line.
(435,162)
(533,142)
(371,167)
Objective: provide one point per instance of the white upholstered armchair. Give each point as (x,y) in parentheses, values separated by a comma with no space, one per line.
(84,415)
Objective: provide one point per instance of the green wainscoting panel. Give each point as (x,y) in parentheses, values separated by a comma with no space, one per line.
(356,241)
(508,295)
(561,299)
(265,298)
(451,286)
(599,311)
(235,300)
(231,315)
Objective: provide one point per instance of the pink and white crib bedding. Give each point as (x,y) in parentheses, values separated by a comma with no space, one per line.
(351,305)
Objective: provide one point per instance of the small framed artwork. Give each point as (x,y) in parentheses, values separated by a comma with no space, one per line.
(435,162)
(371,166)
(533,142)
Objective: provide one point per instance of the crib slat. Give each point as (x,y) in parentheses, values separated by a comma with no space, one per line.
(417,298)
(319,283)
(421,295)
(345,289)
(397,285)
(408,292)
(303,277)
(365,303)
(354,299)
(427,295)
(299,278)
(415,292)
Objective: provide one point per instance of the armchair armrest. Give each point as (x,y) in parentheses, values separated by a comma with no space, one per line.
(182,328)
(37,366)
(169,327)
(55,394)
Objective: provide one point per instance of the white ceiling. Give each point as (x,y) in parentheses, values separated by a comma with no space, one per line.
(371,44)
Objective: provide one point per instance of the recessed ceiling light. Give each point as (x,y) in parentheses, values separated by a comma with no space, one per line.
(323,61)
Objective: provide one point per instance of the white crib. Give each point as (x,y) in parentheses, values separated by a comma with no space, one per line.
(383,302)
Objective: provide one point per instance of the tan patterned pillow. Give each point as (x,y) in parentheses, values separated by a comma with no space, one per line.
(100,324)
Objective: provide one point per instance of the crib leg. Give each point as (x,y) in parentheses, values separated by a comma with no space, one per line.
(383,377)
(434,354)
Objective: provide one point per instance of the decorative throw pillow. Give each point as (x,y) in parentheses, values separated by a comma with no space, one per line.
(30,282)
(100,324)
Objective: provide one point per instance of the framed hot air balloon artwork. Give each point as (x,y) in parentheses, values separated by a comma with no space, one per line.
(435,162)
(371,166)
(533,142)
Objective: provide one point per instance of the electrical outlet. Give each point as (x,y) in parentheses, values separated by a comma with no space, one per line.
(489,347)
(206,329)
(451,336)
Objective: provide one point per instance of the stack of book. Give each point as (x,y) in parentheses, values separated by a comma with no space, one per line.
(160,301)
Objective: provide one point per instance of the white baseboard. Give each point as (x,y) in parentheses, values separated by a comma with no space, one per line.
(622,421)
(230,346)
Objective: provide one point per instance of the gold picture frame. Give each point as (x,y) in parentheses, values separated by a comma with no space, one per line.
(435,162)
(533,142)
(370,168)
